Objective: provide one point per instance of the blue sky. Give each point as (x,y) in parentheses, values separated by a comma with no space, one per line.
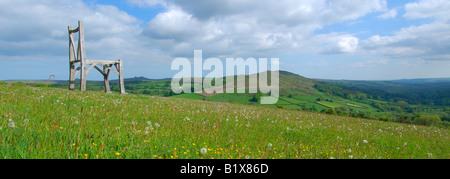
(332,39)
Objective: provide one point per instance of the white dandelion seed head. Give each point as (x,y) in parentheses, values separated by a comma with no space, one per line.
(203,150)
(365,141)
(270,145)
(11,124)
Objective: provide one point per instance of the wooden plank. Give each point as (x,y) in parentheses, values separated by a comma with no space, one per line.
(114,70)
(105,77)
(121,82)
(82,56)
(99,70)
(90,68)
(74,31)
(101,62)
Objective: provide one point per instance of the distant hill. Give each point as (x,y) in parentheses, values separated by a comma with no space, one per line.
(422,80)
(428,91)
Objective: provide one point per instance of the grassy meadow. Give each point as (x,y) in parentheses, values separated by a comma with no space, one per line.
(54,123)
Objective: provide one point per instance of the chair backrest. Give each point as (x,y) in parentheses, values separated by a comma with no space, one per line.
(79,54)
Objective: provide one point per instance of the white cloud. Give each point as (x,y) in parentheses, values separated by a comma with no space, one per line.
(436,9)
(256,27)
(39,28)
(388,14)
(428,41)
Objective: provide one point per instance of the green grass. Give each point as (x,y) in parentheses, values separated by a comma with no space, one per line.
(292,100)
(328,104)
(56,123)
(189,96)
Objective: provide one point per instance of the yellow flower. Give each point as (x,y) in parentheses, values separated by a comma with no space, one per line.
(94,144)
(117,153)
(73,144)
(61,127)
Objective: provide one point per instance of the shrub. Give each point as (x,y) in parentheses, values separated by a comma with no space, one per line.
(404,119)
(427,120)
(331,111)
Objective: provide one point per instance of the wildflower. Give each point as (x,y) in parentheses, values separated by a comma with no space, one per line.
(350,156)
(187,118)
(430,155)
(76,122)
(94,144)
(11,124)
(365,141)
(406,143)
(270,145)
(156,124)
(117,153)
(117,128)
(203,150)
(349,150)
(26,121)
(149,123)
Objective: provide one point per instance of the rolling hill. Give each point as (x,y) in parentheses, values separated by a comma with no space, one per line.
(55,123)
(400,100)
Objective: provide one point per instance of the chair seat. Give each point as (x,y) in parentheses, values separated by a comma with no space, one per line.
(102,62)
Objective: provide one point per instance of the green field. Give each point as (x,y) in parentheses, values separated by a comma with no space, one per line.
(328,104)
(190,96)
(53,123)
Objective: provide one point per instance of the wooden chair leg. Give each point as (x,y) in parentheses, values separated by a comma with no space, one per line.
(72,77)
(105,77)
(121,82)
(83,77)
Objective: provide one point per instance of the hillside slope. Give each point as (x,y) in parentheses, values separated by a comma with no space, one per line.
(57,123)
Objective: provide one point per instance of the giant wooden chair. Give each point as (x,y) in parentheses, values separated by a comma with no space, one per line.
(79,56)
